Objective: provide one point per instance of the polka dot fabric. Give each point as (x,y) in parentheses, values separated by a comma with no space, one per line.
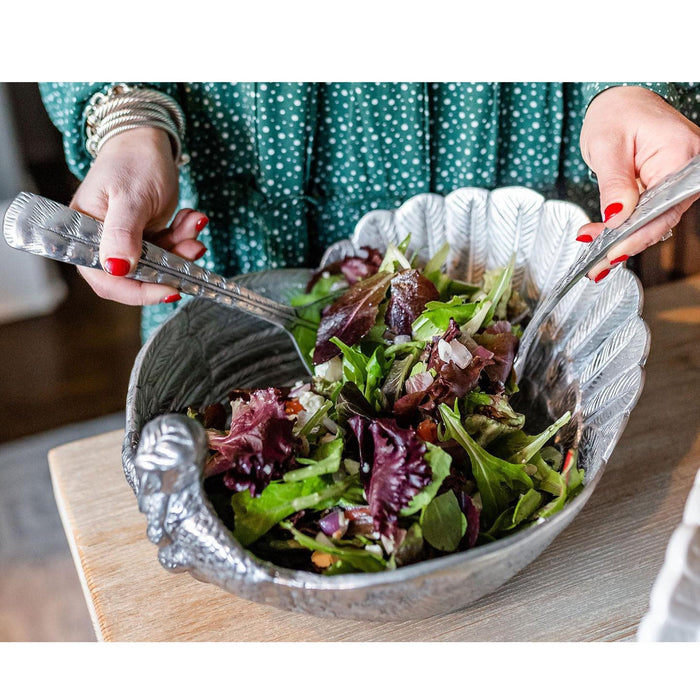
(285,169)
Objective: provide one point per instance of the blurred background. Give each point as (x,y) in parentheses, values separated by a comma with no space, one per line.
(65,359)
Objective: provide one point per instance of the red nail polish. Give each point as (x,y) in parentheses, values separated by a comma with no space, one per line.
(201,224)
(584,238)
(602,275)
(200,254)
(116,266)
(611,210)
(619,260)
(170,299)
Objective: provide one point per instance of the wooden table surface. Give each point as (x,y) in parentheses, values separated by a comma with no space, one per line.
(591,584)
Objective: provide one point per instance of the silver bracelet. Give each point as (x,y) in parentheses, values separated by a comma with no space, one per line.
(124,107)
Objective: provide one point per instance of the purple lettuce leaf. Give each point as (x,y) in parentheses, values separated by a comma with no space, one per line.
(259,445)
(353,267)
(410,292)
(398,469)
(473,516)
(504,346)
(351,316)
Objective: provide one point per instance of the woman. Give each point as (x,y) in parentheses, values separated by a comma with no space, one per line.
(274,173)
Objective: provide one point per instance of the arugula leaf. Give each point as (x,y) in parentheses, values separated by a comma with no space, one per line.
(394,258)
(498,481)
(378,367)
(569,483)
(497,285)
(315,420)
(445,285)
(253,517)
(354,364)
(397,375)
(443,523)
(436,317)
(524,447)
(478,319)
(366,373)
(326,460)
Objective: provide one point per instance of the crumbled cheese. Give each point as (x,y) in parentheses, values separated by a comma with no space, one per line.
(331,371)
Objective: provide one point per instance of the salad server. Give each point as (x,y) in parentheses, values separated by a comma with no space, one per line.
(43,227)
(658,199)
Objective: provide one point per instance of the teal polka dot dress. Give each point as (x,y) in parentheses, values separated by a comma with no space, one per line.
(285,169)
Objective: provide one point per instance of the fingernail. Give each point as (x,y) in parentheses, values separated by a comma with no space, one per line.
(200,254)
(611,210)
(170,299)
(201,224)
(116,266)
(619,260)
(584,238)
(602,275)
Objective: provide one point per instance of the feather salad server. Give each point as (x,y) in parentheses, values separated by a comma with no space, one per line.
(43,227)
(658,199)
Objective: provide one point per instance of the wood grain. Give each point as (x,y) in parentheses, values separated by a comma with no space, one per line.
(591,584)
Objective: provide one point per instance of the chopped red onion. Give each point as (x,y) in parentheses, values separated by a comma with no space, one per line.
(454,351)
(334,524)
(418,382)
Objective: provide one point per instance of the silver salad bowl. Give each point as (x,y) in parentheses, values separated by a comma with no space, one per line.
(588,360)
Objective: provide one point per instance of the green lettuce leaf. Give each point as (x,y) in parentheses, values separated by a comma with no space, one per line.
(499,482)
(358,558)
(439,462)
(326,460)
(443,523)
(436,317)
(253,517)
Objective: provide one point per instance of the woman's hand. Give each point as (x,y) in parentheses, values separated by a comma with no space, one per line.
(133,187)
(631,138)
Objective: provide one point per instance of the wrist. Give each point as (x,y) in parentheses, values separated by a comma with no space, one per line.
(139,139)
(124,108)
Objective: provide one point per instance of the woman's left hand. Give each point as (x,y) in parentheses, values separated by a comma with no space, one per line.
(631,138)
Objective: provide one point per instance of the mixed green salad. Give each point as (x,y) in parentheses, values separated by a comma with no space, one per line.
(404,445)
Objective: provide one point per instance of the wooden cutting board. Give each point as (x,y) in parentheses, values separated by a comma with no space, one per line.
(591,584)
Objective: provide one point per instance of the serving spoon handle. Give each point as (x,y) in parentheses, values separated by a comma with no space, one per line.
(43,227)
(670,191)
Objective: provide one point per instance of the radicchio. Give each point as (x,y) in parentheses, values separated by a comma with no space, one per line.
(259,446)
(397,469)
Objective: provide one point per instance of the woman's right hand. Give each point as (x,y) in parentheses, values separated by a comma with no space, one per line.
(133,187)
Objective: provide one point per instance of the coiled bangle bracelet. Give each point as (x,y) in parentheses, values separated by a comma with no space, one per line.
(123,107)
